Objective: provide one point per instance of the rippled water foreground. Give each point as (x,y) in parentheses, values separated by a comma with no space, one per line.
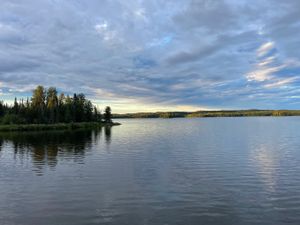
(155,171)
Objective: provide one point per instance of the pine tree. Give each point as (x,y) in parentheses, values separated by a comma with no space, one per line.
(107,114)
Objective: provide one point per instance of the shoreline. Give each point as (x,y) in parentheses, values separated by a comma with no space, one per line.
(56,126)
(203,114)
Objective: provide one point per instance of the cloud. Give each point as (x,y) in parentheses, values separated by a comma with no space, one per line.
(163,54)
(270,71)
(281,82)
(183,56)
(265,48)
(263,74)
(107,34)
(206,14)
(266,61)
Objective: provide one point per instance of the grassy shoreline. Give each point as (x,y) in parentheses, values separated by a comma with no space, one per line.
(57,126)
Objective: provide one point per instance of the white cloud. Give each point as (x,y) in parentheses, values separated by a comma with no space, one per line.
(266,61)
(141,14)
(281,82)
(266,67)
(101,27)
(81,44)
(265,48)
(263,73)
(108,35)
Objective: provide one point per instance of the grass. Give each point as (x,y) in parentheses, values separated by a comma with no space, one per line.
(57,126)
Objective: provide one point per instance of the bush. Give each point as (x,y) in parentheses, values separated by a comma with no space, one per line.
(12,119)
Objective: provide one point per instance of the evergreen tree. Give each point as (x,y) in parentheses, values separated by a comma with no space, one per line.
(52,105)
(46,107)
(61,108)
(88,110)
(38,104)
(68,114)
(15,108)
(2,108)
(107,114)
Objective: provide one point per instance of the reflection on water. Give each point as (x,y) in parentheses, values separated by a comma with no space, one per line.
(46,148)
(107,131)
(224,171)
(264,158)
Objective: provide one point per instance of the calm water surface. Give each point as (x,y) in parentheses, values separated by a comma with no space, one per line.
(155,171)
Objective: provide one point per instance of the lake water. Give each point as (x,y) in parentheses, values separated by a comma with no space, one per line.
(154,171)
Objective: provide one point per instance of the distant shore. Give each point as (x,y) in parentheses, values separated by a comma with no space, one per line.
(56,126)
(221,113)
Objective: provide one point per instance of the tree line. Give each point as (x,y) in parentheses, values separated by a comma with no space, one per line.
(222,113)
(47,106)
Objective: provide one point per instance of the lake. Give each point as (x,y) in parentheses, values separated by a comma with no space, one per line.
(154,171)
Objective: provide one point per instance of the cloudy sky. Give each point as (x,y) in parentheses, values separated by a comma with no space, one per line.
(154,55)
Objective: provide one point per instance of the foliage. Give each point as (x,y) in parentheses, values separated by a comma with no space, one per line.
(46,106)
(56,126)
(223,113)
(12,119)
(107,114)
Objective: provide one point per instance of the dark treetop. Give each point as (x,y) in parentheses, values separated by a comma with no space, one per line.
(47,106)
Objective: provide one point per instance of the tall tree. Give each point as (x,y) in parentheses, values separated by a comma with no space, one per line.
(46,107)
(68,115)
(107,114)
(38,97)
(2,108)
(97,115)
(52,104)
(88,110)
(61,108)
(15,107)
(80,112)
(38,104)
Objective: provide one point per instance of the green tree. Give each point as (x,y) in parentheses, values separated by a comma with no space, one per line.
(2,108)
(68,112)
(80,112)
(52,105)
(46,107)
(38,97)
(61,108)
(97,115)
(88,110)
(38,104)
(107,114)
(15,108)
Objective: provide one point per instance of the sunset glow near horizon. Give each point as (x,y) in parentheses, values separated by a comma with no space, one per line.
(159,55)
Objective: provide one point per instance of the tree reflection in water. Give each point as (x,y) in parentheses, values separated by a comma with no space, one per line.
(46,148)
(107,131)
(1,144)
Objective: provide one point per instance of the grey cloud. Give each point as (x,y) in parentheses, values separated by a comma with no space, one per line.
(210,15)
(145,48)
(183,57)
(9,65)
(222,42)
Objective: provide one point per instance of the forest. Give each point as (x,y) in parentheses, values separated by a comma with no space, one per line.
(221,113)
(47,106)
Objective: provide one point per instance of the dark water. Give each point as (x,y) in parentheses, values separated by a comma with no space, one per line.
(177,171)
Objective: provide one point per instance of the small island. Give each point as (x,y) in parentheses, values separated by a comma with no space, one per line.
(49,110)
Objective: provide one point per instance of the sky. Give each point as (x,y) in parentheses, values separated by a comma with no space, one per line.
(154,55)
